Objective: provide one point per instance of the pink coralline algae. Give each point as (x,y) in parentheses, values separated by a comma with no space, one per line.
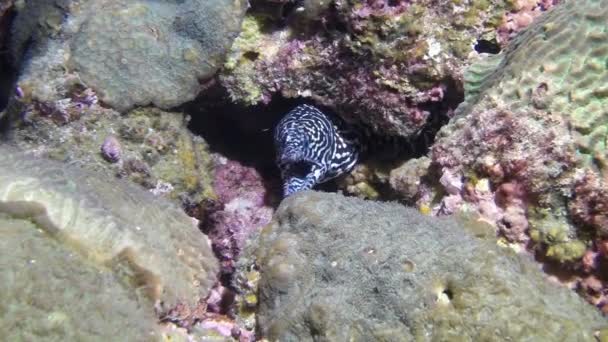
(242,209)
(390,65)
(524,12)
(590,203)
(497,162)
(60,111)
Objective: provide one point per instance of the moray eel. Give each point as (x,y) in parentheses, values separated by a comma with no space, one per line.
(313,147)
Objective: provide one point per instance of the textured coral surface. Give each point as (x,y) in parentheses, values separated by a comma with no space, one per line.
(130,52)
(391,65)
(539,123)
(147,242)
(346,269)
(244,209)
(150,147)
(48,292)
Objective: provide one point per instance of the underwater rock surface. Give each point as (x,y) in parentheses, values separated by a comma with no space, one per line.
(148,146)
(130,52)
(150,246)
(344,269)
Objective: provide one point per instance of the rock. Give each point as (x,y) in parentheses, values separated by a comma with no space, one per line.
(340,269)
(132,53)
(242,209)
(149,245)
(156,149)
(393,66)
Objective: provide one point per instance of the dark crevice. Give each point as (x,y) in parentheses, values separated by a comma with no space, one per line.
(245,133)
(241,133)
(441,113)
(289,8)
(448,293)
(487,46)
(7,71)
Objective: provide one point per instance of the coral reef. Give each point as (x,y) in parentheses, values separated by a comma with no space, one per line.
(48,293)
(339,268)
(521,15)
(525,152)
(390,65)
(243,207)
(130,52)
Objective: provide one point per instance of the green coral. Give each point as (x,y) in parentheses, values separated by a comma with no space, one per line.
(132,52)
(247,47)
(247,42)
(158,150)
(48,292)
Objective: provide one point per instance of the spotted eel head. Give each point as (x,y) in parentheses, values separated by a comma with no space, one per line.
(311,149)
(290,143)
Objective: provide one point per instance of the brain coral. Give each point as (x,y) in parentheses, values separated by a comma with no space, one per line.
(48,294)
(147,242)
(343,269)
(557,65)
(551,80)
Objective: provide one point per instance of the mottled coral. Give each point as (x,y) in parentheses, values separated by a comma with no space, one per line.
(131,52)
(386,64)
(156,148)
(521,15)
(342,269)
(243,208)
(49,291)
(393,66)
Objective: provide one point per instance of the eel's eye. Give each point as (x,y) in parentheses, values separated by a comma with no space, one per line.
(300,169)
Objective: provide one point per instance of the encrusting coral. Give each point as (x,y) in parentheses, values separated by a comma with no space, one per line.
(390,65)
(145,248)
